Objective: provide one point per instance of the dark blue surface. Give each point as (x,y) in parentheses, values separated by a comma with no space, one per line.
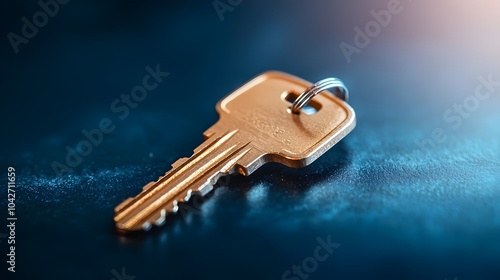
(397,211)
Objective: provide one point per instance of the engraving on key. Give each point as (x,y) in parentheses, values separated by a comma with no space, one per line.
(255,126)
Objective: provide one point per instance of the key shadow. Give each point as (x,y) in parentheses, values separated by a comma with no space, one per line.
(283,178)
(283,182)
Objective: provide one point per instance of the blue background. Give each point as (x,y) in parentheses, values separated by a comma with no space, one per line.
(398,211)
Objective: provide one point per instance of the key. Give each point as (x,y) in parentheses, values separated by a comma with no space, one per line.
(263,121)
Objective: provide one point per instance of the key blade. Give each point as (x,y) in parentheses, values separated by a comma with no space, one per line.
(216,157)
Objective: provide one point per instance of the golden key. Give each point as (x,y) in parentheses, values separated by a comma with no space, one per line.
(272,118)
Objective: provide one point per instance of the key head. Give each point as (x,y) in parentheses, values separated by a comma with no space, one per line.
(260,110)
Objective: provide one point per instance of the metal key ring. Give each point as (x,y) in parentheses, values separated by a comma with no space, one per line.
(341,92)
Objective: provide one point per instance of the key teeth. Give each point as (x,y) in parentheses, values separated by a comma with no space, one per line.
(161,220)
(146,226)
(174,165)
(161,177)
(148,185)
(203,190)
(160,217)
(185,197)
(189,193)
(174,209)
(179,162)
